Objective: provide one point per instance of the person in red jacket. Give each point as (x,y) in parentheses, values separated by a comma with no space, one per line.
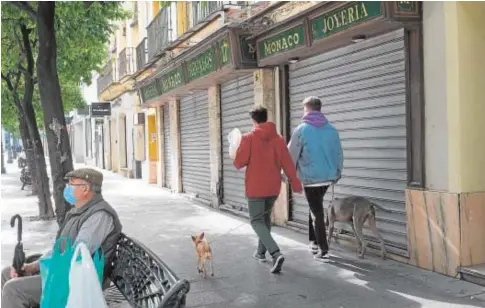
(264,153)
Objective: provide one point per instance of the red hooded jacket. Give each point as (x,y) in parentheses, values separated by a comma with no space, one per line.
(264,153)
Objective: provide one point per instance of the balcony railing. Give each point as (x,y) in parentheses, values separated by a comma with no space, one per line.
(159,32)
(203,9)
(141,54)
(107,77)
(126,62)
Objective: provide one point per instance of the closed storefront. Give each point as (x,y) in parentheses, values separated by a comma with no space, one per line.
(195,148)
(363,91)
(237,98)
(167,150)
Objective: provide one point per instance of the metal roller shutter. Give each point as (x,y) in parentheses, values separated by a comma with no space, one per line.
(194,133)
(362,88)
(167,147)
(237,98)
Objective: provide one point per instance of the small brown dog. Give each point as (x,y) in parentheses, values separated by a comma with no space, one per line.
(204,252)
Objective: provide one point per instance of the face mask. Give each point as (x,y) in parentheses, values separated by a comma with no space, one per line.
(69,194)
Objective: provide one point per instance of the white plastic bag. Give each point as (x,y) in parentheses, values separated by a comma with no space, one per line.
(234,139)
(84,288)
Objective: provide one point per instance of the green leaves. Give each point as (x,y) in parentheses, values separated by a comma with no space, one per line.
(82,47)
(82,37)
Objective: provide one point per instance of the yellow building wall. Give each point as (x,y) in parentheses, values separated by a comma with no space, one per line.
(465,63)
(155,8)
(152,138)
(182,18)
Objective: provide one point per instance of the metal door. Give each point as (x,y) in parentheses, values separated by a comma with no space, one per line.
(167,147)
(194,141)
(237,98)
(363,90)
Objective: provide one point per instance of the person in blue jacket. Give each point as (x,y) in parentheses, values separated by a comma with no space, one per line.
(317,153)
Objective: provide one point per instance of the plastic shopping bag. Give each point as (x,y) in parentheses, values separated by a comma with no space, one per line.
(234,139)
(84,283)
(54,271)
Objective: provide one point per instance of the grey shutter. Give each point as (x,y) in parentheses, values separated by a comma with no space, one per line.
(237,98)
(362,88)
(167,147)
(194,139)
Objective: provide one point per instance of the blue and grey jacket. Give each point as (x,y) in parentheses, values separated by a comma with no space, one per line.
(316,150)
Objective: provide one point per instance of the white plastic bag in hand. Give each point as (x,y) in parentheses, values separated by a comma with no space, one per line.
(234,139)
(84,288)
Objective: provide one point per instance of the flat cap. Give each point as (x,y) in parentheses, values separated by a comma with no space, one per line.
(88,174)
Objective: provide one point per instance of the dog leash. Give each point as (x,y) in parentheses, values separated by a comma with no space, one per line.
(240,225)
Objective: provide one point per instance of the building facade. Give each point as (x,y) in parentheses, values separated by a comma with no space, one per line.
(400,80)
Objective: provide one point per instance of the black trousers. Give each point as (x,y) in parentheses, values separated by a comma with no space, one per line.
(316,222)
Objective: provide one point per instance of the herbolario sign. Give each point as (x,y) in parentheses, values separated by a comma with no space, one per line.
(216,56)
(345,17)
(282,42)
(150,91)
(173,79)
(201,65)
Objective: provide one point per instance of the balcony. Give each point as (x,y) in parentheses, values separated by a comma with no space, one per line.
(141,54)
(126,62)
(203,9)
(159,33)
(107,77)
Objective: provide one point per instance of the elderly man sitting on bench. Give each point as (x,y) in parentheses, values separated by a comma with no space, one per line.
(91,221)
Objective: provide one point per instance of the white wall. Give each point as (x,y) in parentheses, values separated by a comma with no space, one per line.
(436,123)
(126,108)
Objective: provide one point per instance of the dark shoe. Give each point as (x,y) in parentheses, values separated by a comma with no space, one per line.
(259,257)
(313,247)
(321,256)
(277,264)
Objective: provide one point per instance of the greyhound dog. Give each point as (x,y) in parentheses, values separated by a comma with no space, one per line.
(355,210)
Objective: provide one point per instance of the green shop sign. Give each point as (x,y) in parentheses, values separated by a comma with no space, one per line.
(150,91)
(224,51)
(345,17)
(282,42)
(248,49)
(201,65)
(406,6)
(172,79)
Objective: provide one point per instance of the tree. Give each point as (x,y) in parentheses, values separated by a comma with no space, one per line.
(82,31)
(18,75)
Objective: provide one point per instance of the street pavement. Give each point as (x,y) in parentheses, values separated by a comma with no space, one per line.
(165,221)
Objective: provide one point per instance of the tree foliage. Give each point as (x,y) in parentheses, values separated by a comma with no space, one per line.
(82,39)
(65,42)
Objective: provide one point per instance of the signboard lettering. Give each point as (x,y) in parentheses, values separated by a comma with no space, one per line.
(282,42)
(406,6)
(150,91)
(224,51)
(100,109)
(248,49)
(344,17)
(201,65)
(172,79)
